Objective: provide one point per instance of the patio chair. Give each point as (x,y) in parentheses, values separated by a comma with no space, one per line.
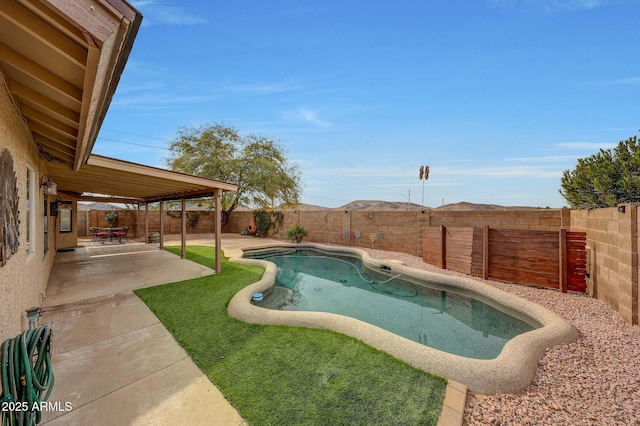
(120,233)
(98,235)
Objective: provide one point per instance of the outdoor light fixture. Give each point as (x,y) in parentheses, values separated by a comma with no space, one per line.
(50,187)
(621,209)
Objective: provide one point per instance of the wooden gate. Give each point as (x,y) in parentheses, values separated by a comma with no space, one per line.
(542,258)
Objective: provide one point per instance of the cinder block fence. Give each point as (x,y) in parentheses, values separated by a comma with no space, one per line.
(611,236)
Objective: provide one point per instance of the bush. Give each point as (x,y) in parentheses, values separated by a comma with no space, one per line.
(267,221)
(605,179)
(296,232)
(112,218)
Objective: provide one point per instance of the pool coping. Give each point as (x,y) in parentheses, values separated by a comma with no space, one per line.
(510,372)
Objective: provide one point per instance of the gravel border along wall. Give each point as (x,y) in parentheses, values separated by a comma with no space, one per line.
(593,381)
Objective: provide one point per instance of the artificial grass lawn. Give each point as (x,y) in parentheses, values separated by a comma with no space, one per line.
(279,375)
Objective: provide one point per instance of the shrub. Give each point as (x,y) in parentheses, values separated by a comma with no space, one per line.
(296,232)
(267,221)
(112,218)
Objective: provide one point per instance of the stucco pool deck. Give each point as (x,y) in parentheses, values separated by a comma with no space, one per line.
(510,372)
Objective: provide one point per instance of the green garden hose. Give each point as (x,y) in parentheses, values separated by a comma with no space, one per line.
(25,369)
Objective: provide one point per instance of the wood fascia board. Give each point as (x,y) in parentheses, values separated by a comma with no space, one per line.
(112,163)
(88,104)
(130,30)
(125,9)
(89,15)
(32,24)
(38,72)
(101,82)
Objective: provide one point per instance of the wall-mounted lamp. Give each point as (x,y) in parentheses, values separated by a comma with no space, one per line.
(48,185)
(621,209)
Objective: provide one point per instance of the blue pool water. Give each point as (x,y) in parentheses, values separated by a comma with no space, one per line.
(438,317)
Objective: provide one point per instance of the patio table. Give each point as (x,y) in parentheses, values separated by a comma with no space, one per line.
(104,234)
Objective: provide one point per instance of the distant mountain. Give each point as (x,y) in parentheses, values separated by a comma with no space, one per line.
(310,207)
(380,205)
(98,206)
(300,207)
(464,206)
(354,205)
(401,205)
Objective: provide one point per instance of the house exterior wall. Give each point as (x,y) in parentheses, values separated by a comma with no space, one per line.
(68,239)
(23,279)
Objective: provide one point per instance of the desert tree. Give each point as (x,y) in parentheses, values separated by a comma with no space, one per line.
(257,164)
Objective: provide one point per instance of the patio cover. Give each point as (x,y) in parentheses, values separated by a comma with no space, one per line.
(110,176)
(102,176)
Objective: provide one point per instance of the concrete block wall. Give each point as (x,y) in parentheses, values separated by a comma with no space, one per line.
(532,220)
(401,230)
(173,223)
(96,218)
(136,223)
(612,239)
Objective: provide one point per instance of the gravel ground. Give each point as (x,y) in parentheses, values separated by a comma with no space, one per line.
(593,381)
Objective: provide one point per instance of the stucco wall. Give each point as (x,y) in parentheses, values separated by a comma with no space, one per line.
(68,239)
(24,278)
(612,240)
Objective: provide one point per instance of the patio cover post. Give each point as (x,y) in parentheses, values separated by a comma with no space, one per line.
(138,222)
(218,230)
(161,211)
(183,253)
(146,221)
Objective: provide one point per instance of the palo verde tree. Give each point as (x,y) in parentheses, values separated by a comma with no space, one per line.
(256,164)
(605,179)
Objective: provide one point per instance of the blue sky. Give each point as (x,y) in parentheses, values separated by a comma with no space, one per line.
(498,97)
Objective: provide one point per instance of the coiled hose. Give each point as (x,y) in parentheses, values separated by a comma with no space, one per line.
(25,368)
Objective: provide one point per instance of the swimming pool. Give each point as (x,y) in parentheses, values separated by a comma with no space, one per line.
(316,280)
(510,371)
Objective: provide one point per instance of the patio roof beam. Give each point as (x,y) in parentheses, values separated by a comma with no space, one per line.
(41,74)
(179,196)
(123,200)
(55,40)
(60,151)
(47,121)
(37,100)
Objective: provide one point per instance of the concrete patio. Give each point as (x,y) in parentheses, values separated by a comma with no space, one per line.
(113,360)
